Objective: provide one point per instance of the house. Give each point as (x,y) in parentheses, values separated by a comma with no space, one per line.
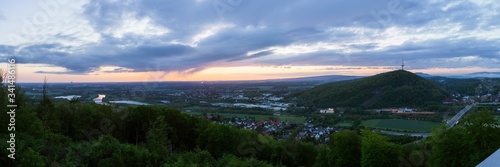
(327,111)
(405,110)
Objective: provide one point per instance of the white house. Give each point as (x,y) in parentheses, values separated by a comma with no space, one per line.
(327,111)
(405,110)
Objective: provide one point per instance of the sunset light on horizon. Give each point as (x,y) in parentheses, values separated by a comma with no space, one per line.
(256,83)
(202,40)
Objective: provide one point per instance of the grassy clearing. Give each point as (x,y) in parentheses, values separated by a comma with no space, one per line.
(400,125)
(294,119)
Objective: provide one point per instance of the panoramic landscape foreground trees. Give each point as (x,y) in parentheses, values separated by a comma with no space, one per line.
(71,133)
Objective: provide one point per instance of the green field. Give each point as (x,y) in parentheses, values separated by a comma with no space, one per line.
(344,124)
(400,125)
(497,117)
(258,117)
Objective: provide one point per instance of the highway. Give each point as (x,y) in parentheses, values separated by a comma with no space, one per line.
(453,121)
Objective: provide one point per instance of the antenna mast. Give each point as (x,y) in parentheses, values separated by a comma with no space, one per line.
(402,63)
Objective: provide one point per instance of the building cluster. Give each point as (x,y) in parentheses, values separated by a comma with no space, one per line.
(489,98)
(327,111)
(317,132)
(404,111)
(457,99)
(279,129)
(275,106)
(465,99)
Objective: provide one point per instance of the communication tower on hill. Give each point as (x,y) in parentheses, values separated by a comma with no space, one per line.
(402,63)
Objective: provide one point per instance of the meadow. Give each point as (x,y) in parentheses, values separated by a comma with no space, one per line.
(344,124)
(400,125)
(294,119)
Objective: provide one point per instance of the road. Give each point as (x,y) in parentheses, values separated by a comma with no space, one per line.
(424,135)
(453,121)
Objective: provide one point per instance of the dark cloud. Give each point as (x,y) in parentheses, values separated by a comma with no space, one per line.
(252,56)
(465,52)
(252,32)
(137,58)
(467,14)
(7,50)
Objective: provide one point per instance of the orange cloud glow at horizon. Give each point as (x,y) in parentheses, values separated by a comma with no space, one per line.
(27,73)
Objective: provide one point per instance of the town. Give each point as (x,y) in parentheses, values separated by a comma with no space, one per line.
(262,106)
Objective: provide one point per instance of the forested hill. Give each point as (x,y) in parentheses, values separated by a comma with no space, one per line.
(398,88)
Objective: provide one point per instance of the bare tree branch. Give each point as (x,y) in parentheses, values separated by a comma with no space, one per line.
(3,76)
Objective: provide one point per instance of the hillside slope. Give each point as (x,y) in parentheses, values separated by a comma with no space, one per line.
(392,89)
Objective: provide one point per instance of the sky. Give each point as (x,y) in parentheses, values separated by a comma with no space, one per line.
(202,40)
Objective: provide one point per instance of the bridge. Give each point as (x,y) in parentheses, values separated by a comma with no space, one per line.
(449,124)
(455,120)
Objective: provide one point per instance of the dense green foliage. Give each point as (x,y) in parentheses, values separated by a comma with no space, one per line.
(346,149)
(465,145)
(392,89)
(71,133)
(376,150)
(463,86)
(469,86)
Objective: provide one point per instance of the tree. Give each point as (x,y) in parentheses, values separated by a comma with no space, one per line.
(465,145)
(230,160)
(305,153)
(3,101)
(137,122)
(345,148)
(295,153)
(196,158)
(45,95)
(482,135)
(31,159)
(46,109)
(157,140)
(376,150)
(323,157)
(219,139)
(448,147)
(107,151)
(3,75)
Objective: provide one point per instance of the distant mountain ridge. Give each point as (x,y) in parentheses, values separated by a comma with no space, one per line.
(398,88)
(323,78)
(424,75)
(464,76)
(477,75)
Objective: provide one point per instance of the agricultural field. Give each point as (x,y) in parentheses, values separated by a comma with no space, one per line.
(344,124)
(294,119)
(400,125)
